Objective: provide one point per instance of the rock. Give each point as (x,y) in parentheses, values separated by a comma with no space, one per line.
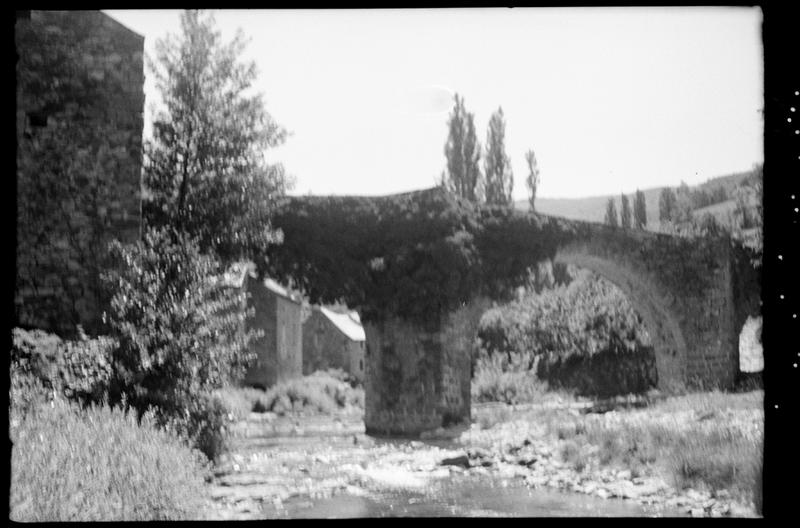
(625,474)
(478,452)
(602,493)
(697,512)
(461,460)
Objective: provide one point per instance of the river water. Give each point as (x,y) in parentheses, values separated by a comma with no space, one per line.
(392,477)
(465,497)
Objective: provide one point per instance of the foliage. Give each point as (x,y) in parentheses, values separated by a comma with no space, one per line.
(608,373)
(100,464)
(584,318)
(639,210)
(625,213)
(496,164)
(78,370)
(319,392)
(462,176)
(409,255)
(532,181)
(72,159)
(573,336)
(667,205)
(500,379)
(611,214)
(179,327)
(205,168)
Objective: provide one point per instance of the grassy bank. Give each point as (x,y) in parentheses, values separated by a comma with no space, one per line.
(704,441)
(100,464)
(321,392)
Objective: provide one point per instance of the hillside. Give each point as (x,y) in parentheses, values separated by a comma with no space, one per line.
(593,208)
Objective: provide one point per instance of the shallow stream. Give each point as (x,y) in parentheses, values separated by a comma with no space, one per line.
(335,471)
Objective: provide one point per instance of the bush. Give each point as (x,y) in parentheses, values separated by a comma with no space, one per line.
(584,336)
(99,464)
(205,423)
(608,373)
(318,392)
(498,380)
(180,331)
(79,370)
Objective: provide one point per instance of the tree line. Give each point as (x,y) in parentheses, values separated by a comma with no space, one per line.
(627,218)
(463,175)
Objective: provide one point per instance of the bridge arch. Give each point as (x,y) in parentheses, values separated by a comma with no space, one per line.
(654,306)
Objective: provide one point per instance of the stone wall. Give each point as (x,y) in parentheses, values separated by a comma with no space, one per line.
(80,104)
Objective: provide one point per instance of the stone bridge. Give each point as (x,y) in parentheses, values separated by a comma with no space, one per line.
(422,267)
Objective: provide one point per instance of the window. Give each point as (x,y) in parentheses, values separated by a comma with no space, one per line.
(360,364)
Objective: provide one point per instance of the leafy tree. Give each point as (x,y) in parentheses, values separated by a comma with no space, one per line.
(639,210)
(462,175)
(533,177)
(747,217)
(611,214)
(205,168)
(625,214)
(496,165)
(682,214)
(180,331)
(667,204)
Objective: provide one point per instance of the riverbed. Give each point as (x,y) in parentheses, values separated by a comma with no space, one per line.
(325,467)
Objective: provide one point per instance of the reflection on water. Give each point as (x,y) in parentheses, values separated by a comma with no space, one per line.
(465,497)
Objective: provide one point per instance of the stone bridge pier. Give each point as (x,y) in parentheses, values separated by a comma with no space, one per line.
(417,378)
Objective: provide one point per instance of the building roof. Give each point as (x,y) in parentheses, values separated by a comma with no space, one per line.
(236,273)
(348,323)
(274,287)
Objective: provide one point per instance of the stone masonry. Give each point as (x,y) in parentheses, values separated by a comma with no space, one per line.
(80,103)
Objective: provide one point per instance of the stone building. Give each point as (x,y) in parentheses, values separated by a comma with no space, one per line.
(333,340)
(79,117)
(279,314)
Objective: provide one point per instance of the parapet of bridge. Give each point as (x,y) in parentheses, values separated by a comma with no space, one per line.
(693,294)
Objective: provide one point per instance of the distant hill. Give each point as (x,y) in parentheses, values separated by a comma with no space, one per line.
(593,208)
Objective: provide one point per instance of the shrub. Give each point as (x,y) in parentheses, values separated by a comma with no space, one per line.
(581,333)
(100,464)
(205,423)
(498,380)
(180,332)
(80,369)
(318,392)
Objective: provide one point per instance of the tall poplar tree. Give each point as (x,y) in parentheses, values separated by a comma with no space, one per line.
(462,175)
(667,203)
(532,180)
(496,164)
(205,168)
(625,213)
(611,213)
(639,210)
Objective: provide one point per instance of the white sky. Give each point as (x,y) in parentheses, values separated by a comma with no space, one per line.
(610,99)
